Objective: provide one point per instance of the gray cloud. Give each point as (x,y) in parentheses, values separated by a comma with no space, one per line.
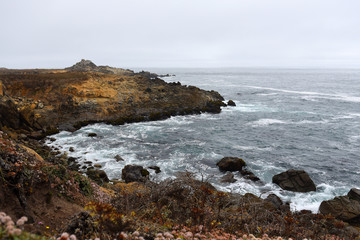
(174,33)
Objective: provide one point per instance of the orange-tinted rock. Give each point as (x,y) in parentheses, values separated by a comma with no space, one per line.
(100,94)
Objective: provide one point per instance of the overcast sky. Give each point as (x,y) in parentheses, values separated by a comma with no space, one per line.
(180,33)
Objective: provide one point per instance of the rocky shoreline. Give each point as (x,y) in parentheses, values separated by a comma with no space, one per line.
(50,100)
(47,188)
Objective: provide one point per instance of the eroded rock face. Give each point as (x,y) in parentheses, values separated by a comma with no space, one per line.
(85,93)
(342,208)
(354,194)
(9,114)
(346,208)
(231,164)
(295,181)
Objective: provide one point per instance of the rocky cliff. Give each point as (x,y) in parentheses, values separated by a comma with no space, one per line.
(85,93)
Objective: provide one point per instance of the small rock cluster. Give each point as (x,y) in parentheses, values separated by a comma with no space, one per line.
(233,164)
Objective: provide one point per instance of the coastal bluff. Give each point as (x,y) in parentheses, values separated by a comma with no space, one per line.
(48,100)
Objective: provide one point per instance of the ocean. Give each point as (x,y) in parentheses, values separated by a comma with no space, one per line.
(283,119)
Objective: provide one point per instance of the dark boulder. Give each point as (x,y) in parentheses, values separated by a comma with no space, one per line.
(118,158)
(354,194)
(97,175)
(231,164)
(71,149)
(231,103)
(92,134)
(342,208)
(156,168)
(295,181)
(134,173)
(249,175)
(214,106)
(228,178)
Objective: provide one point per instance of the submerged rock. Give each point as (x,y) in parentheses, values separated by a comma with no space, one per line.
(118,158)
(295,181)
(134,173)
(231,164)
(156,168)
(231,103)
(249,175)
(228,178)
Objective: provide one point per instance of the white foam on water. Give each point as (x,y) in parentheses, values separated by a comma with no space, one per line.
(348,116)
(266,122)
(252,148)
(310,98)
(266,94)
(179,161)
(341,97)
(354,138)
(311,122)
(241,107)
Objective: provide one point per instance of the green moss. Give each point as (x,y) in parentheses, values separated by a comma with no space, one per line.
(57,171)
(84,185)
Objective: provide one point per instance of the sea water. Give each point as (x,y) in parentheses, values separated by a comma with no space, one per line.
(284,119)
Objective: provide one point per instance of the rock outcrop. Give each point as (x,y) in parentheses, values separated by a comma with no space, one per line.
(295,181)
(231,164)
(9,114)
(86,93)
(354,194)
(89,66)
(346,208)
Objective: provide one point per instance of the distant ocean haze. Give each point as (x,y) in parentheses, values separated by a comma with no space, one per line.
(284,118)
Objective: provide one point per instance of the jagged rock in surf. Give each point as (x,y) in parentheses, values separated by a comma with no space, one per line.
(354,193)
(342,208)
(231,164)
(295,181)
